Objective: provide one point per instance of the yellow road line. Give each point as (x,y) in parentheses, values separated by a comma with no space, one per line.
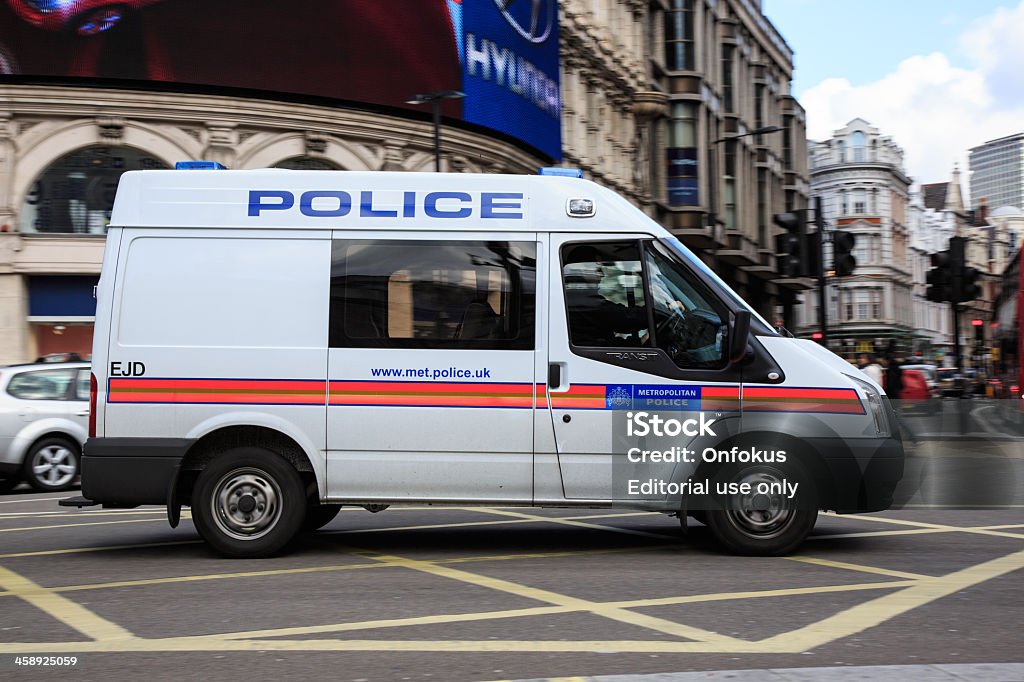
(79,525)
(613,613)
(575,521)
(878,533)
(549,610)
(877,611)
(398,622)
(85,550)
(325,569)
(856,567)
(758,594)
(62,608)
(980,530)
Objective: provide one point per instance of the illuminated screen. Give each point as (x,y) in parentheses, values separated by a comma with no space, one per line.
(503,54)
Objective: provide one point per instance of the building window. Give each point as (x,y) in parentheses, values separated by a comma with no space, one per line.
(860,205)
(729,189)
(306,163)
(727,78)
(76,193)
(857,146)
(679,36)
(762,208)
(681,155)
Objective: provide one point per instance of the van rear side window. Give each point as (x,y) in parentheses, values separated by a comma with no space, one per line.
(224,292)
(433,294)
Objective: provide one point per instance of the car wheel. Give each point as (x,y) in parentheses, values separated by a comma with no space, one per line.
(52,464)
(319,515)
(764,524)
(248,503)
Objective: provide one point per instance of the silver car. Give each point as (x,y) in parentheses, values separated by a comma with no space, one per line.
(44,420)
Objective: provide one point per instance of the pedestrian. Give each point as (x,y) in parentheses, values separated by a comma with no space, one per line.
(873,369)
(893,378)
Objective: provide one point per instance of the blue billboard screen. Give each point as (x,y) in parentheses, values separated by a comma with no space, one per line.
(509,56)
(502,53)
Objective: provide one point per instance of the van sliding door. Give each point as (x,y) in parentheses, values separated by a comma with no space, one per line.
(431,367)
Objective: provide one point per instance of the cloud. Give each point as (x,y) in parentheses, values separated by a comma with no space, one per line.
(931,108)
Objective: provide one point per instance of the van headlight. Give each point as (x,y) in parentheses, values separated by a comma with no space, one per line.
(876,406)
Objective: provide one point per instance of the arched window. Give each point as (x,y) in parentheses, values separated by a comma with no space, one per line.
(76,193)
(306,163)
(857,143)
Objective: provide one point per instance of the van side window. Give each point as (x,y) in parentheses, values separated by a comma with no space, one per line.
(686,326)
(604,294)
(635,295)
(433,294)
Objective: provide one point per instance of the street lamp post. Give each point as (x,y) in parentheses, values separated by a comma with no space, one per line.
(434,99)
(713,184)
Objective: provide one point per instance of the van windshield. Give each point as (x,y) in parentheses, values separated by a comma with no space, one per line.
(688,256)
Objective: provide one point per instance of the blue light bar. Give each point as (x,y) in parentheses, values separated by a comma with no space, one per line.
(198,165)
(563,172)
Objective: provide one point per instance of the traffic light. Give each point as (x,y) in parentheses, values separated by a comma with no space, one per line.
(843,261)
(969,287)
(791,247)
(940,278)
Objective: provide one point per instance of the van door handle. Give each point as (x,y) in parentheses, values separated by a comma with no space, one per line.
(82,414)
(554,375)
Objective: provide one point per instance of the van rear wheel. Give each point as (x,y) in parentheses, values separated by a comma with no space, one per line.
(764,523)
(248,503)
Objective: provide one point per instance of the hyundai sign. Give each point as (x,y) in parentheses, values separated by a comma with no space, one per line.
(502,53)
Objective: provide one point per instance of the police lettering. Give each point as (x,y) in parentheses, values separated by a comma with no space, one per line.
(388,204)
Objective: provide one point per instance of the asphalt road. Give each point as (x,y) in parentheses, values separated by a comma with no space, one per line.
(496,594)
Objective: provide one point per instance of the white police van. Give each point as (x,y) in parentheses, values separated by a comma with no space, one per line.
(270,345)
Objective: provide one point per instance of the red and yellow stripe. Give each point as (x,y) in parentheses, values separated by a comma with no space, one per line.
(778,399)
(579,397)
(214,391)
(428,394)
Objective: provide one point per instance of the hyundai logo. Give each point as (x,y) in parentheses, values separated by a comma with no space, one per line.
(532,19)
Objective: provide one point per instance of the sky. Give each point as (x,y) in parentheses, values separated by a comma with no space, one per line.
(938,76)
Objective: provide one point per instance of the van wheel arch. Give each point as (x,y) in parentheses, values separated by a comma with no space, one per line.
(215,443)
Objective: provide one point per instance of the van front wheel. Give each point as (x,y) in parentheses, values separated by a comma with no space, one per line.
(248,503)
(765,523)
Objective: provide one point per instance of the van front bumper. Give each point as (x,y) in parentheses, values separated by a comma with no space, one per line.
(131,471)
(864,473)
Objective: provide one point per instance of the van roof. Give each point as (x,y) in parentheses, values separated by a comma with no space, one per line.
(303,199)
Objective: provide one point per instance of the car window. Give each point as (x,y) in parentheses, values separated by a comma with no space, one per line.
(82,385)
(51,384)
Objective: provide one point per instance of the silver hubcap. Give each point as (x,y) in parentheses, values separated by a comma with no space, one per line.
(246,503)
(54,465)
(764,515)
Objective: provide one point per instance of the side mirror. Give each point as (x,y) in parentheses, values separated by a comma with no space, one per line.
(738,336)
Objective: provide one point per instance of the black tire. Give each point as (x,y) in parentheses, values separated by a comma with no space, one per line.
(764,525)
(51,464)
(319,515)
(248,503)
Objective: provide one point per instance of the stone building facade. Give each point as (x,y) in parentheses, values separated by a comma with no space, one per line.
(859,175)
(658,100)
